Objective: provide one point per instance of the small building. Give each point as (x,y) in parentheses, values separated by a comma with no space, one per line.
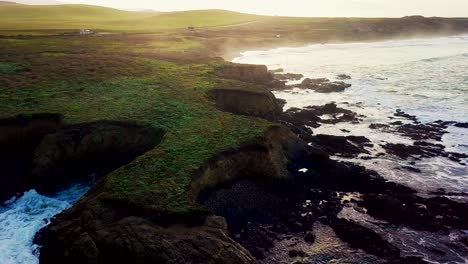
(86,32)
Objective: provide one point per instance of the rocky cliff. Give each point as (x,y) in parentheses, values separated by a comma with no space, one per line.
(102,230)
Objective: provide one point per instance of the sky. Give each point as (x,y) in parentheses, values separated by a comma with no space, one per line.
(309,8)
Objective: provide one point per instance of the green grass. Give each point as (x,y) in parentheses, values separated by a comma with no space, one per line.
(161,79)
(27,19)
(9,68)
(102,83)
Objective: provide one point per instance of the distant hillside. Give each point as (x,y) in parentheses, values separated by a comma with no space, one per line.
(7,3)
(38,2)
(70,17)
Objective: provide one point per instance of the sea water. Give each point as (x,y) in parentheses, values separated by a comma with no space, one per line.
(427,78)
(22,217)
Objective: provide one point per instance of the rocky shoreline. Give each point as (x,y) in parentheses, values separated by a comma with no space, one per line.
(262,202)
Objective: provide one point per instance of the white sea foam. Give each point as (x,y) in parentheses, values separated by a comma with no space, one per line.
(21,218)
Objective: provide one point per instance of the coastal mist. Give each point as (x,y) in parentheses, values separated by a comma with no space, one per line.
(398,87)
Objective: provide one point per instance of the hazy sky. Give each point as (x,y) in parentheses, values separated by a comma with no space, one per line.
(366,8)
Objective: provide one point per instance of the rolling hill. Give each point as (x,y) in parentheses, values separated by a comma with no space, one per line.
(72,17)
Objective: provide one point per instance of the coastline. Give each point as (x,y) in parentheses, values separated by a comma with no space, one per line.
(121,208)
(300,121)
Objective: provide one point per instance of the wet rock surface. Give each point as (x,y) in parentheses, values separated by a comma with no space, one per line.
(288,76)
(348,147)
(426,138)
(343,77)
(313,116)
(288,213)
(323,85)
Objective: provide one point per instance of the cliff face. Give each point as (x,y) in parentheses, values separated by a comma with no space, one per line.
(261,104)
(99,230)
(250,73)
(19,136)
(92,149)
(252,98)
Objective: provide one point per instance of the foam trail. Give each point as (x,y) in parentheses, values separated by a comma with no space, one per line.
(21,218)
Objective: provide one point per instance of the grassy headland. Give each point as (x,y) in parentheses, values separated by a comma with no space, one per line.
(159,77)
(149,69)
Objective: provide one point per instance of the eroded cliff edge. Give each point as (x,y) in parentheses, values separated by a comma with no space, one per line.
(164,223)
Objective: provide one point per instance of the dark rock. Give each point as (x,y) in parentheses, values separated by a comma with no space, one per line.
(75,152)
(400,113)
(309,237)
(364,238)
(19,137)
(349,146)
(378,126)
(323,85)
(299,120)
(422,131)
(261,103)
(462,125)
(422,149)
(288,76)
(396,123)
(126,231)
(464,240)
(403,151)
(343,77)
(412,169)
(412,260)
(296,253)
(134,239)
(250,73)
(417,212)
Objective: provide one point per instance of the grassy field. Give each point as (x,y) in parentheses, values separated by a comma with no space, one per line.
(127,79)
(58,18)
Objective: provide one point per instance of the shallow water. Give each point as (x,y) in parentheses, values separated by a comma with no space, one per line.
(427,78)
(21,218)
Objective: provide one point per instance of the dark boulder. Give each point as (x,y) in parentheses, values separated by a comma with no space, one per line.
(349,146)
(361,237)
(343,77)
(323,85)
(288,76)
(309,237)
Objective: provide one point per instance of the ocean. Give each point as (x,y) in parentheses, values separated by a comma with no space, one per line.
(427,78)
